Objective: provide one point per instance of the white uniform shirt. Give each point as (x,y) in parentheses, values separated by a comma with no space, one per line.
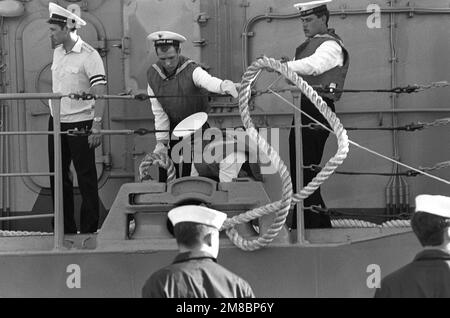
(74,72)
(202,79)
(327,56)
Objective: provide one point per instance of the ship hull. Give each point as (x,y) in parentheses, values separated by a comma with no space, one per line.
(282,271)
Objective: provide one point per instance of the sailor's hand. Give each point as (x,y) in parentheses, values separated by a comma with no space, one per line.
(228,87)
(161,148)
(95,138)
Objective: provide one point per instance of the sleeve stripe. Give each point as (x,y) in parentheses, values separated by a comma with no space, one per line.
(96,78)
(99,81)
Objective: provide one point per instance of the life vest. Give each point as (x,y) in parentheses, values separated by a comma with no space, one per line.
(191,99)
(332,78)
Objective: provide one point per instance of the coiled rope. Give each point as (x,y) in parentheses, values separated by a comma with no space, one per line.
(353,223)
(23,233)
(160,159)
(281,207)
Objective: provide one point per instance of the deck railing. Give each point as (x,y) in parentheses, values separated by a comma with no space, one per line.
(58,196)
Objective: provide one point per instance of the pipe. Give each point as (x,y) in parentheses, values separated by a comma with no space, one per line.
(26,217)
(58,199)
(7,210)
(5,183)
(14,133)
(249,23)
(392,183)
(28,96)
(345,112)
(28,174)
(2,155)
(398,110)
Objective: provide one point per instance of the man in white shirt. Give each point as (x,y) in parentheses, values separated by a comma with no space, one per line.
(77,67)
(320,60)
(184,83)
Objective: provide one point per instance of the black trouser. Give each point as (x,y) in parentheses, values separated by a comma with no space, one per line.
(76,149)
(313,144)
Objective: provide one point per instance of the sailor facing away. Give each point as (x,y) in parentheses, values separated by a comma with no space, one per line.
(195,272)
(428,275)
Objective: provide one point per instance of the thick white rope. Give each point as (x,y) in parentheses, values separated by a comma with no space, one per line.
(160,159)
(281,207)
(23,233)
(353,223)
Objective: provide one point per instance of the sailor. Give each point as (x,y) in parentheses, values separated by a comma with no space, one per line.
(320,60)
(428,275)
(195,272)
(176,75)
(77,67)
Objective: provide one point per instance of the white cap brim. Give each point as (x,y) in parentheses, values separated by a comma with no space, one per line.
(197,214)
(433,204)
(166,35)
(303,6)
(53,8)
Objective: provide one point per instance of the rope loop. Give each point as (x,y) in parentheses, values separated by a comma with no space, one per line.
(159,159)
(280,208)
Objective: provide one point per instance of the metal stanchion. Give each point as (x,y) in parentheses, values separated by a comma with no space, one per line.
(59,212)
(299,168)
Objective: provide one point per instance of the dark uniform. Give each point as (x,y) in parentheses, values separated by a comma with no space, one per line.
(196,275)
(191,99)
(428,276)
(313,141)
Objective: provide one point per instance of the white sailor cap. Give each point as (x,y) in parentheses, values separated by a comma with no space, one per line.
(433,204)
(166,38)
(60,15)
(197,214)
(307,8)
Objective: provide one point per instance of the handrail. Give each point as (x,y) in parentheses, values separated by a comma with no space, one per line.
(26,96)
(58,196)
(27,174)
(26,217)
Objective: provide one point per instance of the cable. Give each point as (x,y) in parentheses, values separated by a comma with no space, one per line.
(362,147)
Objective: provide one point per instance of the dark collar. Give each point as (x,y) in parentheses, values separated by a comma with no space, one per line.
(431,254)
(187,256)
